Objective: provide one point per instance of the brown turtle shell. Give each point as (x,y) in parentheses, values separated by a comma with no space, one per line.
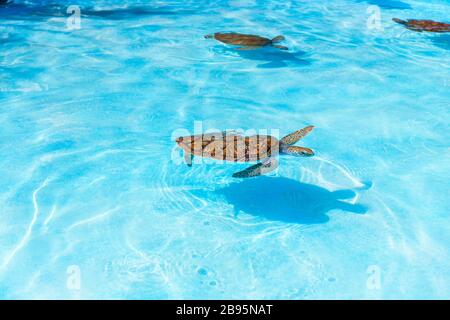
(239,39)
(427,25)
(230,147)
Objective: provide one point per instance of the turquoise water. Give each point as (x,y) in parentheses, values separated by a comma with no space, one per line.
(94,205)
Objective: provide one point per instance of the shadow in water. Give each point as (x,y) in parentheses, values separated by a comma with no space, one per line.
(19,10)
(441,41)
(130,12)
(271,57)
(388,4)
(287,200)
(10,38)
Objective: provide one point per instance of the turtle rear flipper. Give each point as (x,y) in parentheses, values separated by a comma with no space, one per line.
(258,169)
(295,136)
(278,39)
(298,151)
(280,47)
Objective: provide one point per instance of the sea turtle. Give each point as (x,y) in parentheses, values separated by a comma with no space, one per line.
(424,25)
(233,147)
(246,41)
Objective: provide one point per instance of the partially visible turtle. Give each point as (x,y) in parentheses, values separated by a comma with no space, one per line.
(246,41)
(236,148)
(424,25)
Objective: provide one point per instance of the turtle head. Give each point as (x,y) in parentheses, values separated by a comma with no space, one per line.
(209,36)
(399,21)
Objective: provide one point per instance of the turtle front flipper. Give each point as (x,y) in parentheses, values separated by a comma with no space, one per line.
(258,169)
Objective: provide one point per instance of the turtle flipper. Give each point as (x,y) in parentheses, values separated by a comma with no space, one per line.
(257,169)
(188,158)
(297,135)
(298,151)
(278,39)
(280,47)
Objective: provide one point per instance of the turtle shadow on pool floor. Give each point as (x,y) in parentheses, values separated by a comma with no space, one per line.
(442,41)
(19,10)
(272,57)
(388,4)
(287,200)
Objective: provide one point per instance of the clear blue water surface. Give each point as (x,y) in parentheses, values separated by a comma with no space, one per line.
(88,177)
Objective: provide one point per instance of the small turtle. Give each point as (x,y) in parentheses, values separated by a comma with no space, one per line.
(424,25)
(237,148)
(246,41)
